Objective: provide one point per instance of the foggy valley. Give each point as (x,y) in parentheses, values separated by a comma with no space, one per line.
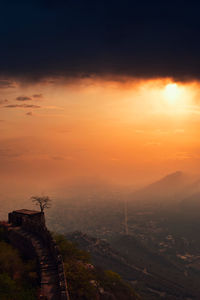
(139,233)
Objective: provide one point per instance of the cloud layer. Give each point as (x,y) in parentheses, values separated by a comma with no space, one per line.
(23,98)
(21,106)
(83,38)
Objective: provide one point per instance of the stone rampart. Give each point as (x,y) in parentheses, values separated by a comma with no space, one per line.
(30,238)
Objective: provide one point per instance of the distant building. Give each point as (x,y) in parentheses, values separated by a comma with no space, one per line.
(23,217)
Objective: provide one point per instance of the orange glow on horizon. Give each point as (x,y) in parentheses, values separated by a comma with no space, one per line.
(122,131)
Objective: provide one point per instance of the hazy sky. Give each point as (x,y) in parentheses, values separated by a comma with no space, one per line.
(100,90)
(126,132)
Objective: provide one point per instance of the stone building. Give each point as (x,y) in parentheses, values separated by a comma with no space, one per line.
(23,216)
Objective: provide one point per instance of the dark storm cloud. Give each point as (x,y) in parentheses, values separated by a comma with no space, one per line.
(23,98)
(21,106)
(85,38)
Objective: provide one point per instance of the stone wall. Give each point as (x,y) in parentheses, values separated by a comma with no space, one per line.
(46,236)
(25,244)
(22,243)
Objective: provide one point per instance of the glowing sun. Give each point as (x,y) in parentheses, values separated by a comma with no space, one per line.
(172,92)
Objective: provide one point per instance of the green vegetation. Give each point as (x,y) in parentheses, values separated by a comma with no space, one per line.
(86,282)
(19,281)
(18,278)
(113,283)
(70,250)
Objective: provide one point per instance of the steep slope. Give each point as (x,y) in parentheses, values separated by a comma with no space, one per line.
(18,276)
(89,282)
(153,275)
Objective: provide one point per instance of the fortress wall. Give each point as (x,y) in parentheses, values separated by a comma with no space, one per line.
(26,246)
(44,234)
(22,243)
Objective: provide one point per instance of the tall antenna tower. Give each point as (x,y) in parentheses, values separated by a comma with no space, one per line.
(125,218)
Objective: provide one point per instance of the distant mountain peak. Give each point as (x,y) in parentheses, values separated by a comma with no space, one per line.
(173,175)
(168,181)
(167,187)
(176,173)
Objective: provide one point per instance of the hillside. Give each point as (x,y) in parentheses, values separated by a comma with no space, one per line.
(89,282)
(18,277)
(153,275)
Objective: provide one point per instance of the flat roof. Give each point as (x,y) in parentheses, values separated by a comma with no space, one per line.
(27,212)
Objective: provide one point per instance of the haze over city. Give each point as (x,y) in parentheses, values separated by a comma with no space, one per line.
(100,113)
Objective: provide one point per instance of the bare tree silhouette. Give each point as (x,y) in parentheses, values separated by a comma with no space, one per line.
(42,201)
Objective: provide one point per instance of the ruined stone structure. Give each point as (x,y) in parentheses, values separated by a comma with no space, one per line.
(23,217)
(26,231)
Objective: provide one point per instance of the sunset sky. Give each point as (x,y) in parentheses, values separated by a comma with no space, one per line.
(119,131)
(98,90)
